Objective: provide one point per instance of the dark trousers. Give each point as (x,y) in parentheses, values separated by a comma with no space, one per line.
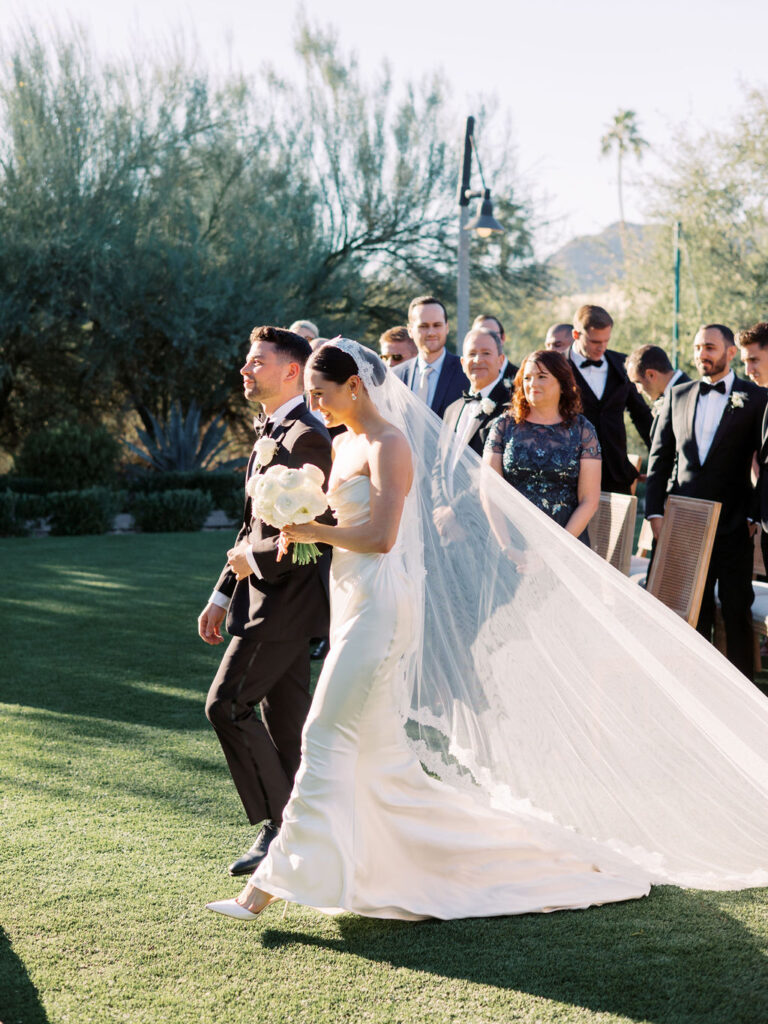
(263,753)
(731,569)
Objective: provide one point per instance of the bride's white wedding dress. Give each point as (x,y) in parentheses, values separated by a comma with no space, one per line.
(366,828)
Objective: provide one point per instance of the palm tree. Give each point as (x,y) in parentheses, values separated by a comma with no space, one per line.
(624,136)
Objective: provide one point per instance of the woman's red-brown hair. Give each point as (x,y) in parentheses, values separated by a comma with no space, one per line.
(556,364)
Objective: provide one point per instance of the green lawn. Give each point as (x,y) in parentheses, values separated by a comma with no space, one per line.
(118,818)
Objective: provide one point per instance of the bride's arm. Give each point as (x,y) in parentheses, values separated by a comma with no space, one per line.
(389,461)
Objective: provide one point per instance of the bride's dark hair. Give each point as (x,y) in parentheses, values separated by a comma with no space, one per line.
(338,366)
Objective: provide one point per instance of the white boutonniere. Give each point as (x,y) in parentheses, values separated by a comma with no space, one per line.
(737,400)
(508,383)
(487,406)
(265,449)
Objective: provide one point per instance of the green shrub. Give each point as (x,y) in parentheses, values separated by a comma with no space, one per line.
(25,484)
(219,483)
(78,512)
(171,511)
(31,506)
(11,521)
(233,503)
(68,456)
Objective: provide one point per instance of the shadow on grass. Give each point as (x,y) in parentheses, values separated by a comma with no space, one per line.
(19,999)
(675,958)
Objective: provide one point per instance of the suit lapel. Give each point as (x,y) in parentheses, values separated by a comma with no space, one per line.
(689,425)
(729,411)
(442,382)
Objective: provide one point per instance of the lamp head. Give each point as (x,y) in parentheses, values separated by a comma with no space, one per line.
(485,224)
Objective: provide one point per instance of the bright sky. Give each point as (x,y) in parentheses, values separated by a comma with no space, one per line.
(562,69)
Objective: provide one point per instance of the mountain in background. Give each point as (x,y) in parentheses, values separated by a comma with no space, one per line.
(592,263)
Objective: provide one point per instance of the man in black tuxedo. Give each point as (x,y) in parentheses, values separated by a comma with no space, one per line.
(435,374)
(707,435)
(605,393)
(467,420)
(650,370)
(272,608)
(753,346)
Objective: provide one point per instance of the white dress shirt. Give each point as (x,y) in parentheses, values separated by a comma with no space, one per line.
(709,412)
(421,366)
(275,419)
(595,376)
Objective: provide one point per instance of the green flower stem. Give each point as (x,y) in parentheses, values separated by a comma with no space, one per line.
(303,554)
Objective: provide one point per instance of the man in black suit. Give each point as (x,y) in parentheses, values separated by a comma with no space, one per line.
(650,370)
(272,608)
(435,374)
(753,347)
(467,420)
(708,433)
(605,393)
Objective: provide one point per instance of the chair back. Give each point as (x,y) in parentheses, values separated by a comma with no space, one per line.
(612,529)
(683,550)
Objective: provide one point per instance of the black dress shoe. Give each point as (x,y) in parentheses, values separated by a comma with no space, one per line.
(250,861)
(320,651)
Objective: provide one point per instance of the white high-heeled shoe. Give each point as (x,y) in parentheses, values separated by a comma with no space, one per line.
(231,908)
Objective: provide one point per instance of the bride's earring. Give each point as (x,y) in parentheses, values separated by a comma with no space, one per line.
(354,397)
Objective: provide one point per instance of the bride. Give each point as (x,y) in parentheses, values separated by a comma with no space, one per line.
(580,741)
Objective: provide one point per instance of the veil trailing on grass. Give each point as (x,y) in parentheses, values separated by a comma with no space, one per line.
(544,682)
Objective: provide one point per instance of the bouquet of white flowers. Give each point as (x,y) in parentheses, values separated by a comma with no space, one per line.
(284,497)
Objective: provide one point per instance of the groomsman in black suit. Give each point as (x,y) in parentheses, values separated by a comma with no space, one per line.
(435,374)
(753,345)
(708,433)
(650,370)
(605,393)
(272,608)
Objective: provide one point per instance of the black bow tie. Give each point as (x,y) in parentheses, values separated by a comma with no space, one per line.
(590,362)
(470,396)
(262,426)
(705,388)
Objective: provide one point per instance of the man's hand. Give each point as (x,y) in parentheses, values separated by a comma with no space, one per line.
(238,563)
(209,623)
(656,524)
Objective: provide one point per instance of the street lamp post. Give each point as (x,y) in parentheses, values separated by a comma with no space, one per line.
(484,224)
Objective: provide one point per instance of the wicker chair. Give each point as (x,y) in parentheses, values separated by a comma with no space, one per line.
(612,529)
(683,551)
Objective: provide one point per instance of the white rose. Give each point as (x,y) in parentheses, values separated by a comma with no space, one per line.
(290,479)
(737,399)
(314,473)
(265,449)
(487,406)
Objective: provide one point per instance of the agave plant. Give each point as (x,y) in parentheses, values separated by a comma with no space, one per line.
(181,444)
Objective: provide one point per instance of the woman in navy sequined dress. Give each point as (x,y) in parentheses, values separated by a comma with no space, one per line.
(545,447)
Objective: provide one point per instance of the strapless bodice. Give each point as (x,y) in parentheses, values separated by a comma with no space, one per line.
(351,500)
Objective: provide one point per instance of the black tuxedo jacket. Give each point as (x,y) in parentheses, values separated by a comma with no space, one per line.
(288,601)
(478,435)
(762,484)
(656,409)
(725,475)
(606,414)
(450,383)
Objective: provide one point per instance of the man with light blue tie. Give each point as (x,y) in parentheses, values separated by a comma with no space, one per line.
(435,375)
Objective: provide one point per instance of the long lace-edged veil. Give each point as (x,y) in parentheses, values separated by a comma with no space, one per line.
(543,681)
